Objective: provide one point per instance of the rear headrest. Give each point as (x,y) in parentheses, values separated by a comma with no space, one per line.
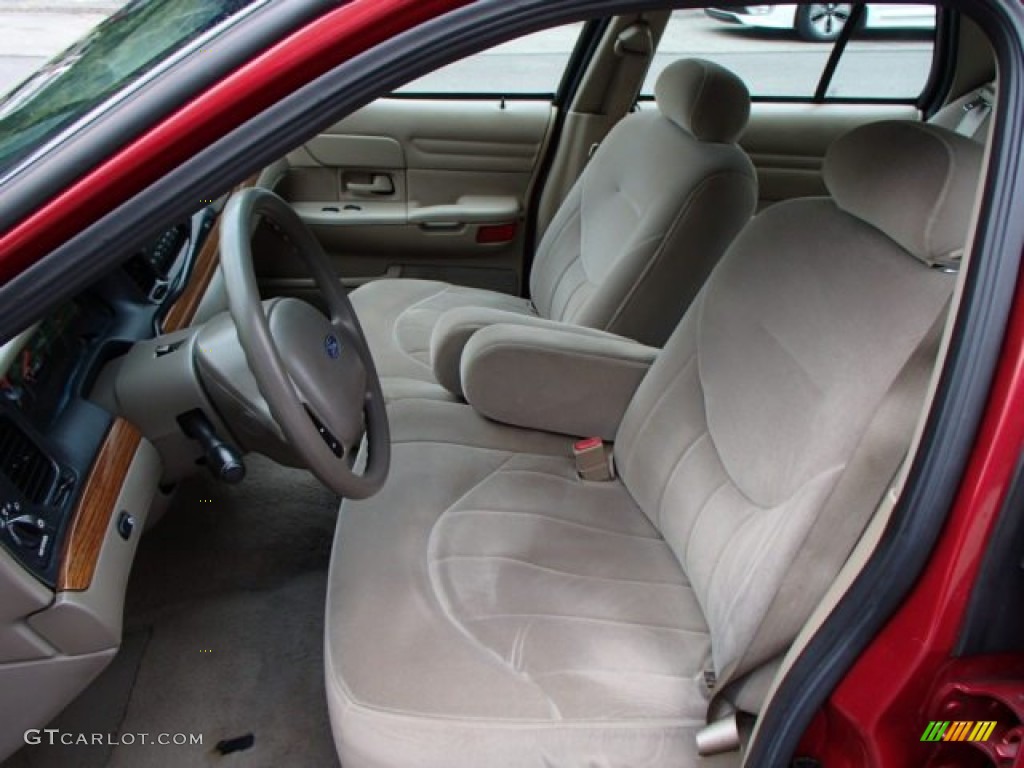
(704,99)
(915,182)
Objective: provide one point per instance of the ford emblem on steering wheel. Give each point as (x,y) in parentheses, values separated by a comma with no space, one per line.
(333,347)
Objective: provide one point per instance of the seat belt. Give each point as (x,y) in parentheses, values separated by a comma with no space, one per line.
(635,46)
(975,111)
(868,475)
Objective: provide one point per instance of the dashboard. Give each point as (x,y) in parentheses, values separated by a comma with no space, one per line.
(50,433)
(33,382)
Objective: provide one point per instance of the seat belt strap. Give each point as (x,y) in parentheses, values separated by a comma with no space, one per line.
(869,475)
(974,113)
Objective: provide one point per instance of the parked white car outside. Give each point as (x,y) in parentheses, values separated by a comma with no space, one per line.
(823,21)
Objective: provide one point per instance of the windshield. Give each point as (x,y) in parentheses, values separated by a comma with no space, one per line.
(120,51)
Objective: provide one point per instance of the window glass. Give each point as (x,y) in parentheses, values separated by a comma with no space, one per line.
(531,65)
(780,51)
(889,57)
(772,62)
(118,52)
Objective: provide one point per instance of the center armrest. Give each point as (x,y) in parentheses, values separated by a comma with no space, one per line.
(456,326)
(573,381)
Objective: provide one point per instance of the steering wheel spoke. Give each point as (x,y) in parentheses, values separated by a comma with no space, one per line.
(336,446)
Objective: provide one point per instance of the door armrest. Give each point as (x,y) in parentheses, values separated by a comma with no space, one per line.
(471,209)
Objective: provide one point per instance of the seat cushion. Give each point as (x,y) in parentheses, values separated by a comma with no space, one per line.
(489,608)
(398,317)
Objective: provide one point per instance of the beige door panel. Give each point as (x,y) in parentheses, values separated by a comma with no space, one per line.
(341,150)
(787,142)
(452,255)
(484,135)
(409,187)
(438,232)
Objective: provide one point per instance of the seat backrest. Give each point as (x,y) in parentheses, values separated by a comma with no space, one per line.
(739,442)
(654,210)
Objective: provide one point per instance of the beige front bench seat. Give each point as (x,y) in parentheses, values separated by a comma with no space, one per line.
(488,608)
(663,196)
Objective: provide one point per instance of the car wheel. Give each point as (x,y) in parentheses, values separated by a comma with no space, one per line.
(821,22)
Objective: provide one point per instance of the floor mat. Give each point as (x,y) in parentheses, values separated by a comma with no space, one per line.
(233,665)
(230,589)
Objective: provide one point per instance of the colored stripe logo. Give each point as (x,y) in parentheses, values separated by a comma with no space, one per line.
(961,730)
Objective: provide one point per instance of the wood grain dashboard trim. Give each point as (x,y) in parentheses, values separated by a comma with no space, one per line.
(96,506)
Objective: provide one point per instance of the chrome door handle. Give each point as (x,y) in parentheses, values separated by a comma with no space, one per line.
(381,185)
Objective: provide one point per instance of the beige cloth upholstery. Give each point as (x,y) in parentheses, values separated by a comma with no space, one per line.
(469,615)
(631,245)
(398,318)
(642,228)
(555,380)
(704,99)
(457,326)
(489,608)
(927,169)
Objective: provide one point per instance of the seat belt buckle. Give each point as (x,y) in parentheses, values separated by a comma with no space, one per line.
(719,737)
(593,460)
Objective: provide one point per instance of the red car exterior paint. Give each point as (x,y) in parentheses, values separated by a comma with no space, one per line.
(311,51)
(877,714)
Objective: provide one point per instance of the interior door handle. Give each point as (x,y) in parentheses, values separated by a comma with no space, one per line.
(381,185)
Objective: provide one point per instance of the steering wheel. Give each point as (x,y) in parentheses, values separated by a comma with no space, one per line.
(315,372)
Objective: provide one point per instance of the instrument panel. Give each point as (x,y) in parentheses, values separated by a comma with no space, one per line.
(52,349)
(35,485)
(50,432)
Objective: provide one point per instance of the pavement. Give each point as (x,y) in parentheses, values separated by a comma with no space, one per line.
(33,31)
(61,6)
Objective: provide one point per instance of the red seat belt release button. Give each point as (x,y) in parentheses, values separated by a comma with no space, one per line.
(593,460)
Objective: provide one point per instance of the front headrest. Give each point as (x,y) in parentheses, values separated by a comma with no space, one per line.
(704,99)
(915,182)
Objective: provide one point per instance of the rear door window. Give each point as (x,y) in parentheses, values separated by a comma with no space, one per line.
(781,51)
